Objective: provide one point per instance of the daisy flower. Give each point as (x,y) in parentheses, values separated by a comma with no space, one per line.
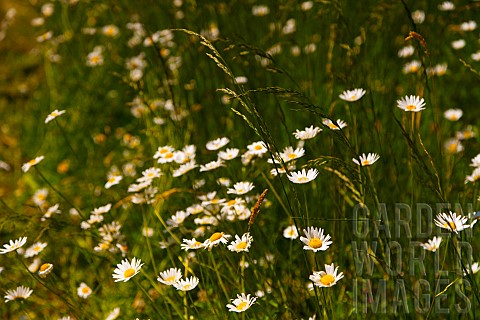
(432,244)
(411,103)
(307,133)
(315,239)
(217,143)
(453,146)
(289,154)
(95,58)
(468,25)
(326,278)
(110,30)
(240,188)
(83,291)
(474,269)
(352,95)
(50,211)
(257,148)
(184,168)
(458,44)
(20,292)
(187,284)
(465,134)
(45,270)
(473,177)
(212,165)
(446,6)
(26,166)
(162,151)
(215,239)
(13,245)
(170,276)
(228,154)
(453,114)
(366,160)
(340,124)
(406,52)
(113,180)
(476,161)
(150,174)
(192,244)
(412,66)
(127,270)
(177,219)
(241,244)
(114,314)
(451,221)
(303,176)
(55,113)
(241,303)
(35,249)
(290,232)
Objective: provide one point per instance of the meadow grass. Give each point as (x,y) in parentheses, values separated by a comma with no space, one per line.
(137,209)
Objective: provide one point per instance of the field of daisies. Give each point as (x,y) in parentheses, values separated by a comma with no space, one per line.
(242,159)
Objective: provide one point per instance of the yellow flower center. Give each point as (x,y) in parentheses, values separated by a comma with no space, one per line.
(291,233)
(302,179)
(37,248)
(242,245)
(170,279)
(45,266)
(186,287)
(231,202)
(163,150)
(169,155)
(242,305)
(214,201)
(292,156)
(112,179)
(414,68)
(85,290)
(95,59)
(365,163)
(315,243)
(353,97)
(128,273)
(332,126)
(327,280)
(258,147)
(32,162)
(451,224)
(410,107)
(216,236)
(453,117)
(452,147)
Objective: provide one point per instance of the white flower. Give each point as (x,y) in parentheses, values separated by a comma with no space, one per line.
(476,161)
(352,95)
(289,154)
(326,278)
(113,180)
(241,244)
(241,303)
(475,267)
(114,314)
(150,174)
(215,239)
(303,176)
(240,188)
(83,291)
(192,244)
(20,292)
(35,249)
(453,114)
(55,113)
(187,284)
(446,6)
(307,133)
(177,219)
(228,154)
(468,25)
(433,244)
(184,168)
(451,221)
(418,16)
(453,145)
(217,143)
(340,124)
(411,103)
(412,66)
(290,232)
(366,160)
(473,177)
(212,165)
(458,44)
(127,270)
(170,276)
(315,240)
(257,148)
(13,245)
(406,52)
(26,166)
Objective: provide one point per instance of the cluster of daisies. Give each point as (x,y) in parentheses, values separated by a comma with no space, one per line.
(454,223)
